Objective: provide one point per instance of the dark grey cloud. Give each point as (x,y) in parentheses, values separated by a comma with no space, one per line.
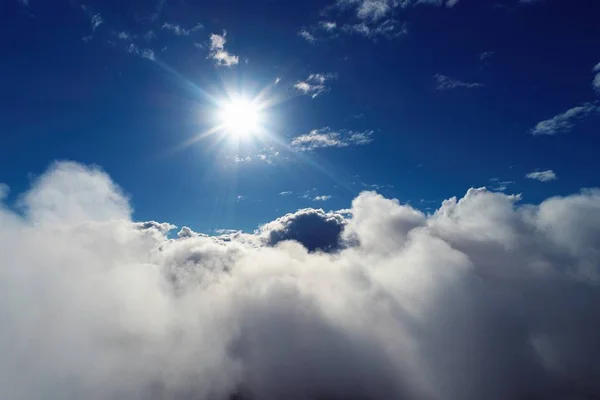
(483,299)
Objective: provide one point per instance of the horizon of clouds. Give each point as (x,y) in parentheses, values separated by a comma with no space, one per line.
(542,176)
(326,137)
(565,122)
(380,301)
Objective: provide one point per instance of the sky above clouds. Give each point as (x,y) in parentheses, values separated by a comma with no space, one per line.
(409,209)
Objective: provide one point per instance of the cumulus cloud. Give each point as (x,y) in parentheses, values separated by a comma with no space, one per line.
(484,298)
(325,137)
(542,176)
(444,82)
(218,52)
(563,123)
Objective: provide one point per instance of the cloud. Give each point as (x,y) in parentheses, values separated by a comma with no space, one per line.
(389,29)
(321,198)
(307,35)
(144,53)
(325,137)
(4,190)
(444,82)
(179,31)
(314,228)
(96,21)
(374,10)
(286,193)
(328,25)
(498,185)
(484,298)
(314,85)
(563,123)
(542,176)
(596,81)
(486,56)
(24,2)
(218,52)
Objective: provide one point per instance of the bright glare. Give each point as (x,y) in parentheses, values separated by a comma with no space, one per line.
(240,117)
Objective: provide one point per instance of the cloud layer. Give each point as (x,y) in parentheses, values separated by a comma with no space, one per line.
(482,299)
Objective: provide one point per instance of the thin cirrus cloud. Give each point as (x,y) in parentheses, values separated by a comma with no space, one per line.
(444,82)
(314,85)
(380,299)
(542,176)
(389,28)
(305,34)
(325,137)
(180,31)
(322,198)
(218,52)
(144,53)
(564,123)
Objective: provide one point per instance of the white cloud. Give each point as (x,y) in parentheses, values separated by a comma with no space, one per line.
(321,198)
(218,52)
(286,193)
(325,137)
(307,35)
(328,25)
(144,53)
(179,31)
(444,82)
(563,123)
(481,297)
(389,28)
(542,176)
(374,10)
(314,85)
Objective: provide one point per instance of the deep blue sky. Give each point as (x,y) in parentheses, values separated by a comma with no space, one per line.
(444,116)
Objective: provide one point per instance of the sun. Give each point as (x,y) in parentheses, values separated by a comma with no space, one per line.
(240,117)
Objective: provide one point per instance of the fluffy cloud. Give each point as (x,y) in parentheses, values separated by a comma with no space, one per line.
(481,299)
(218,52)
(542,176)
(325,137)
(563,123)
(444,82)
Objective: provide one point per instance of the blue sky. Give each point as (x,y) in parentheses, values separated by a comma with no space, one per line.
(416,101)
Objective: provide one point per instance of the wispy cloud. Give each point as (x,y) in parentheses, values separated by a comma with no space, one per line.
(389,28)
(218,52)
(96,21)
(322,198)
(179,31)
(314,85)
(374,10)
(325,137)
(499,186)
(286,193)
(542,176)
(596,81)
(328,25)
(444,82)
(486,56)
(144,53)
(24,2)
(309,37)
(563,123)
